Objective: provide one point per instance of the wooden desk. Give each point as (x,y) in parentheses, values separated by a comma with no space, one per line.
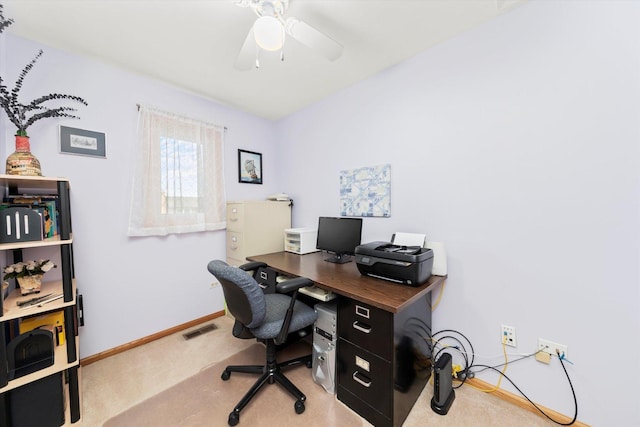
(346,280)
(384,335)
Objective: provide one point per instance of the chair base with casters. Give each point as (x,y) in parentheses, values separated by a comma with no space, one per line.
(269,318)
(270,373)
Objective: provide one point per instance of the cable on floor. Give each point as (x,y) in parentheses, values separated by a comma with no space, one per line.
(573,392)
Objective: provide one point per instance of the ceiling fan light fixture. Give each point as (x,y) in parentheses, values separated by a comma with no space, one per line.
(269,33)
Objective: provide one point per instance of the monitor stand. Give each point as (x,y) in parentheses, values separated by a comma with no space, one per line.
(339,259)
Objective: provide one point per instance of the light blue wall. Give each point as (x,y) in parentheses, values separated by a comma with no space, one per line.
(517,146)
(132,287)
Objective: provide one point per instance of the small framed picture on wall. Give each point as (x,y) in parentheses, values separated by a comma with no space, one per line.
(82,142)
(249,167)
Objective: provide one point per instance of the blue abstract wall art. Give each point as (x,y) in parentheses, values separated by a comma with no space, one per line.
(366,191)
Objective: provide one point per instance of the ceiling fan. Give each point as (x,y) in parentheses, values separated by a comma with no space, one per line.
(271,28)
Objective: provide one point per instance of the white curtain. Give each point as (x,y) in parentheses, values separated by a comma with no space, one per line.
(179,181)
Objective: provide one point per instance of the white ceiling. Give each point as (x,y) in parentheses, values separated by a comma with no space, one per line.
(192,44)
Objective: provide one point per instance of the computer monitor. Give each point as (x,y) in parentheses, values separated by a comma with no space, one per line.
(339,236)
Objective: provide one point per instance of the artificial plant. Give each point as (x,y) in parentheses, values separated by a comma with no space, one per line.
(24,115)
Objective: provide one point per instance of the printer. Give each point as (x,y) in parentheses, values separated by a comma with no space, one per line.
(408,265)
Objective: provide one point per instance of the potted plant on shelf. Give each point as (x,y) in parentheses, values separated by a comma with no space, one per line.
(28,274)
(23,115)
(4,23)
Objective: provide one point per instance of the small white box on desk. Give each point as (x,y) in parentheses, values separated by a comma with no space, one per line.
(300,240)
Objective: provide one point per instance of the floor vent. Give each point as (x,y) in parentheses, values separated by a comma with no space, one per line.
(200,331)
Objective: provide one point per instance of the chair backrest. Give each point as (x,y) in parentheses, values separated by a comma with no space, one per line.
(244,297)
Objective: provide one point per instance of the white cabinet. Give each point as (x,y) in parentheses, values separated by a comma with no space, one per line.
(300,240)
(65,355)
(255,228)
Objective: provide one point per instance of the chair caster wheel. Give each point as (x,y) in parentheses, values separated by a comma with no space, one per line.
(225,376)
(299,406)
(234,419)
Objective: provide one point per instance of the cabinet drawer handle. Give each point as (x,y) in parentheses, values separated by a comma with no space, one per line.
(366,330)
(234,247)
(356,377)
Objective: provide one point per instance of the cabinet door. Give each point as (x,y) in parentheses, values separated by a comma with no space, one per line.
(235,216)
(235,245)
(259,227)
(366,376)
(368,327)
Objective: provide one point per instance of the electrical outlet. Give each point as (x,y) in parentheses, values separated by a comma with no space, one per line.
(543,357)
(550,347)
(509,336)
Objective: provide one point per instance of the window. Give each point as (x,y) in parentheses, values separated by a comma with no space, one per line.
(179,183)
(179,165)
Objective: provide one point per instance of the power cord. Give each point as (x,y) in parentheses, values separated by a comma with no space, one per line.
(526,356)
(439,340)
(435,304)
(573,392)
(502,373)
(463,372)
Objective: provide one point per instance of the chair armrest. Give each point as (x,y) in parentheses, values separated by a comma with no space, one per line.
(294,284)
(291,285)
(254,265)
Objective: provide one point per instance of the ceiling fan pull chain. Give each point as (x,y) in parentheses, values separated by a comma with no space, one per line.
(284,39)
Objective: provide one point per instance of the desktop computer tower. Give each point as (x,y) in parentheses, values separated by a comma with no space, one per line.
(325,339)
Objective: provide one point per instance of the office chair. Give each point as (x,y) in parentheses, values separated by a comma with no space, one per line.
(269,318)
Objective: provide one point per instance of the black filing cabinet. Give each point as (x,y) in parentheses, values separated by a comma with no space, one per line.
(384,358)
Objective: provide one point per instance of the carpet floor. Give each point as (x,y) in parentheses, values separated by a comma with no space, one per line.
(206,400)
(173,382)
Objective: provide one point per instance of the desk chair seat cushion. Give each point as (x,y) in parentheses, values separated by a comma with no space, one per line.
(276,308)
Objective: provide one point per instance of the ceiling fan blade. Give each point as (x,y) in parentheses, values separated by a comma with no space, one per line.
(247,56)
(246,3)
(310,37)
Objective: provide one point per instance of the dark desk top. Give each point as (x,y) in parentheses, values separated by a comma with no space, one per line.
(346,280)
